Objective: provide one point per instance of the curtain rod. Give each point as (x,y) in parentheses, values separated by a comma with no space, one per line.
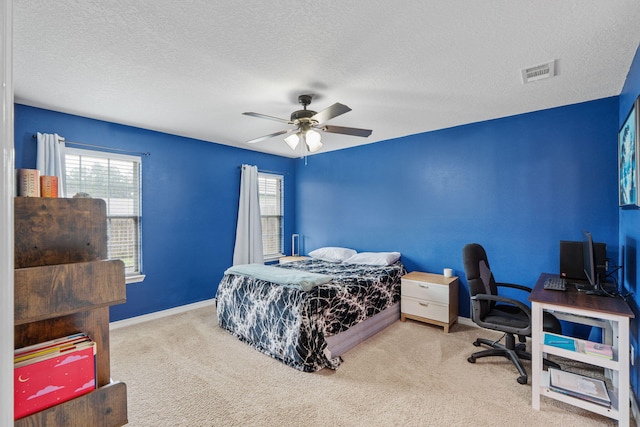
(266,171)
(122,150)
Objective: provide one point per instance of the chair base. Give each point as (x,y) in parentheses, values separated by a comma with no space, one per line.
(509,350)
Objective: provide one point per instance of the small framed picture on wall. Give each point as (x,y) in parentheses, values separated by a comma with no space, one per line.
(628,158)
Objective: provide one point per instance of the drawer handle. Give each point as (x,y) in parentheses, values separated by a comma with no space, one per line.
(424,286)
(424,304)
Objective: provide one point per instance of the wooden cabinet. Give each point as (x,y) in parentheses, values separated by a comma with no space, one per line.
(64,285)
(429,298)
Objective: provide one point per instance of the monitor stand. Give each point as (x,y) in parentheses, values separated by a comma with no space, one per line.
(597,291)
(584,287)
(590,289)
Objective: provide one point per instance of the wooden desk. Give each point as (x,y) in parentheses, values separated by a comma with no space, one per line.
(613,314)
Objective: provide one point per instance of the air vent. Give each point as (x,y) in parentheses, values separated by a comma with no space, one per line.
(538,72)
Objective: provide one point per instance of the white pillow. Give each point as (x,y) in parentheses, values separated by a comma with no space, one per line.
(374,258)
(332,254)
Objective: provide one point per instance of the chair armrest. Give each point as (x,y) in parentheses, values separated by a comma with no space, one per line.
(477,302)
(488,297)
(515,286)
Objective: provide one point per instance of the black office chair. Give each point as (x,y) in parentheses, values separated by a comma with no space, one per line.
(491,311)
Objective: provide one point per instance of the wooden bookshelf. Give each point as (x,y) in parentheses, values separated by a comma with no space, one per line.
(64,285)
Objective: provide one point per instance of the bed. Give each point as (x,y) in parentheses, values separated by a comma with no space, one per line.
(310,329)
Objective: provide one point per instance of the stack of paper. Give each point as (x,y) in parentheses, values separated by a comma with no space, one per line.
(586,388)
(597,349)
(560,341)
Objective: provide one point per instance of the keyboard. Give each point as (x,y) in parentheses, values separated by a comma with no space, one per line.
(555,284)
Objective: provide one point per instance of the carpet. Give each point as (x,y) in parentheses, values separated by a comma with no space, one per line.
(183,370)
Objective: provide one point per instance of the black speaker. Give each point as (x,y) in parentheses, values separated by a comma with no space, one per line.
(572,260)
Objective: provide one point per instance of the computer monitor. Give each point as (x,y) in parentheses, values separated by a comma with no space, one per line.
(595,286)
(572,260)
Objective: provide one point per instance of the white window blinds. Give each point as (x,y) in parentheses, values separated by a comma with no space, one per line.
(116,179)
(271,208)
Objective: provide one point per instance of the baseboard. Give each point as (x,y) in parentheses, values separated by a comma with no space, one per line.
(206,303)
(161,314)
(467,322)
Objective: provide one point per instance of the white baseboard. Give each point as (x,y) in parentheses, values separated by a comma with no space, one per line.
(160,314)
(467,322)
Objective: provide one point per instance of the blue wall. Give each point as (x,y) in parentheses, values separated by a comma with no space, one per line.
(516,185)
(630,223)
(189,203)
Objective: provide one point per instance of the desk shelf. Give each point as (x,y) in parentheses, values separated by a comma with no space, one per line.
(580,356)
(611,412)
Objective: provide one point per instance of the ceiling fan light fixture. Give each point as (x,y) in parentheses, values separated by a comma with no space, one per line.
(313,140)
(313,135)
(292,140)
(308,123)
(314,148)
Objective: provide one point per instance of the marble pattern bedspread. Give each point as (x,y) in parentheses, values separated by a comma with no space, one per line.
(290,324)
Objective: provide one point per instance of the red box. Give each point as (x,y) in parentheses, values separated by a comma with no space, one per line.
(48,380)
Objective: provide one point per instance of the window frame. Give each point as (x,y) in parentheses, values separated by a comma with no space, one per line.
(136,276)
(280,179)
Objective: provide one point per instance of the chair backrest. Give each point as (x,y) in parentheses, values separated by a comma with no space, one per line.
(479,277)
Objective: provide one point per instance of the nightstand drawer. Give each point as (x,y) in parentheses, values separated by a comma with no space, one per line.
(427,309)
(425,291)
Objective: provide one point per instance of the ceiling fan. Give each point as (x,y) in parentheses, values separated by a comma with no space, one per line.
(307,124)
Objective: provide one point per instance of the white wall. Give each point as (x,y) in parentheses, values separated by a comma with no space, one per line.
(7,159)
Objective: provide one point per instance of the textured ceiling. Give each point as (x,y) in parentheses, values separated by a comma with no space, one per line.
(192,68)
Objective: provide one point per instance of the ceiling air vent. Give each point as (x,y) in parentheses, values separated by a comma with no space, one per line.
(538,72)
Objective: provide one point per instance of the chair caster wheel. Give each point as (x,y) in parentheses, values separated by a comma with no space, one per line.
(471,359)
(476,343)
(522,379)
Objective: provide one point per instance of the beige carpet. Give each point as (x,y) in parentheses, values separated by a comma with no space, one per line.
(183,370)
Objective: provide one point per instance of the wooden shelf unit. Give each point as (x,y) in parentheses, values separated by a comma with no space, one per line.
(64,285)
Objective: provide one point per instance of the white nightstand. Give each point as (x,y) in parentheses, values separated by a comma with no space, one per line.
(429,298)
(286,259)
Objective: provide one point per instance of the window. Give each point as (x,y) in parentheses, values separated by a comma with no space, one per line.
(270,194)
(115,178)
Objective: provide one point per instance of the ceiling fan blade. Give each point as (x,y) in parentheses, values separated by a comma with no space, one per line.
(330,112)
(271,135)
(347,131)
(264,116)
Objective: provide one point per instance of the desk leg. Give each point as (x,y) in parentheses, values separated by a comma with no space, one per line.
(613,329)
(623,374)
(536,354)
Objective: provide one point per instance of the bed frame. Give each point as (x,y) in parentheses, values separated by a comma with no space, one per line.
(344,341)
